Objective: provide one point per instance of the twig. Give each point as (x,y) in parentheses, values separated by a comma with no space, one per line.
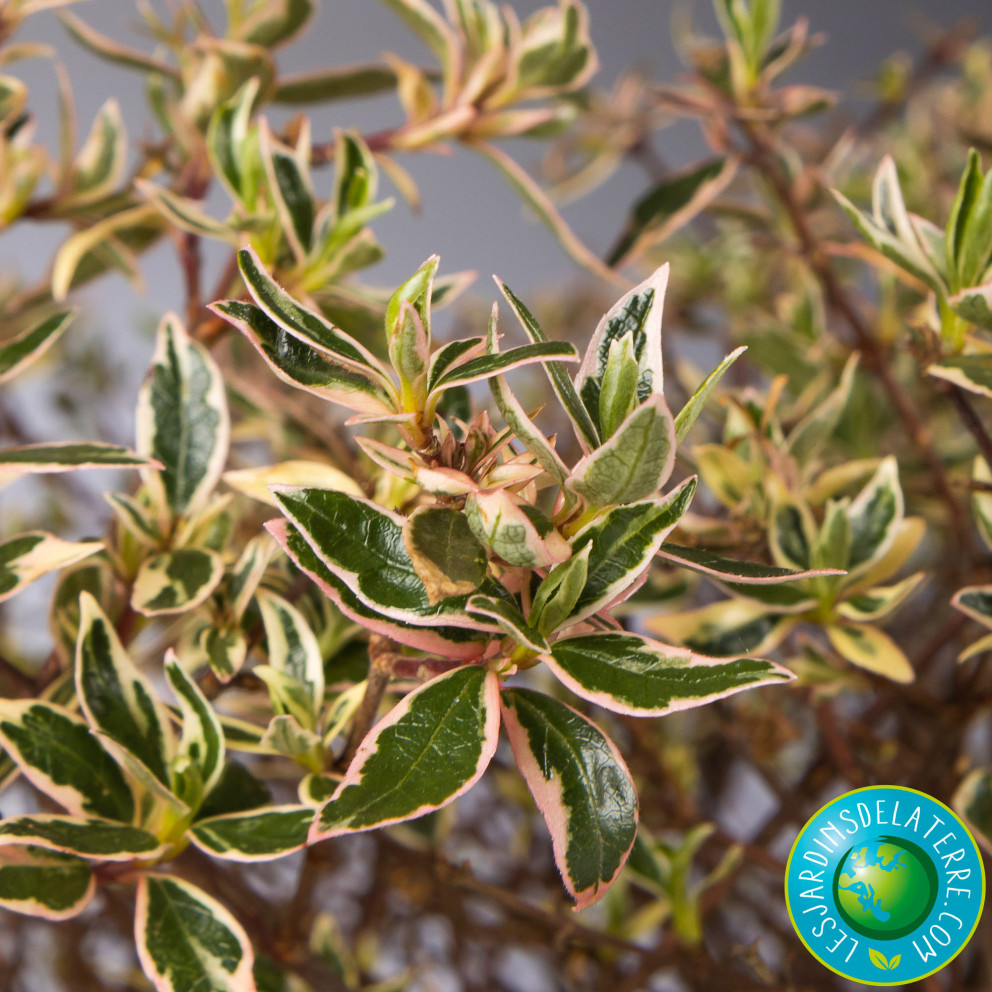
(382,660)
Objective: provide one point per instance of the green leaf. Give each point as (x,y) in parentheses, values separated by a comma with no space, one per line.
(56,753)
(671,204)
(136,518)
(224,651)
(36,882)
(236,791)
(637,314)
(974,305)
(201,746)
(445,553)
(730,628)
(105,48)
(975,602)
(871,649)
(69,456)
(86,838)
(227,140)
(969,190)
(510,620)
(791,533)
(694,406)
(336,83)
(970,372)
(875,515)
(18,352)
(187,941)
(515,531)
(99,167)
(284,734)
(186,214)
(735,572)
(294,652)
(275,22)
(116,698)
(356,176)
(486,366)
(807,436)
(183,421)
(302,366)
(633,464)
(975,249)
(448,642)
(581,786)
(623,540)
(878,959)
(636,676)
(258,835)
(362,543)
(559,592)
(28,557)
(304,324)
(290,188)
(431,748)
(585,429)
(176,581)
(879,601)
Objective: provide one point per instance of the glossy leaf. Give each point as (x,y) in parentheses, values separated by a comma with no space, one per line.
(176,581)
(37,882)
(516,532)
(634,675)
(201,746)
(875,515)
(427,751)
(581,786)
(510,620)
(445,553)
(634,463)
(56,753)
(187,941)
(623,540)
(183,421)
(86,838)
(486,366)
(116,698)
(736,572)
(258,835)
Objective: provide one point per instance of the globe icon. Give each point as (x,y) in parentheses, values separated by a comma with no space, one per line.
(885,888)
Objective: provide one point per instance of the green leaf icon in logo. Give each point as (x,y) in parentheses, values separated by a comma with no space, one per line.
(878,959)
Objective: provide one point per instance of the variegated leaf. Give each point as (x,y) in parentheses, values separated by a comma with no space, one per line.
(634,463)
(86,838)
(449,642)
(879,601)
(516,532)
(975,602)
(116,698)
(17,353)
(581,786)
(636,314)
(295,654)
(258,835)
(69,456)
(623,541)
(362,543)
(255,482)
(56,753)
(735,572)
(445,553)
(487,366)
(183,421)
(30,556)
(100,164)
(807,436)
(431,748)
(187,941)
(875,515)
(38,882)
(200,755)
(732,627)
(634,675)
(871,649)
(510,620)
(176,581)
(299,364)
(687,416)
(975,306)
(224,651)
(970,372)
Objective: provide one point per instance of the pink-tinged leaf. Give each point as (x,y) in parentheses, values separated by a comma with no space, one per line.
(410,466)
(638,314)
(730,570)
(187,941)
(636,676)
(101,840)
(445,641)
(515,531)
(580,784)
(430,749)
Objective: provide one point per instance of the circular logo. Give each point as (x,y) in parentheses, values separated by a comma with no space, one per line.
(885,885)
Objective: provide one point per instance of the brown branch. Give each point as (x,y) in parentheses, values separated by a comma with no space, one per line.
(382,658)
